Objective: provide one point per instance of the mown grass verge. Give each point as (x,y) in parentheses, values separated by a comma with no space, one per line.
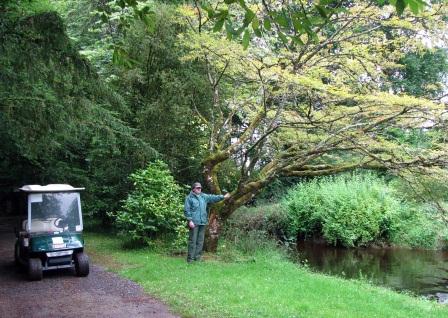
(264,286)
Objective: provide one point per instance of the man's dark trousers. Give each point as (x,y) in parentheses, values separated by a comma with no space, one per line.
(196,243)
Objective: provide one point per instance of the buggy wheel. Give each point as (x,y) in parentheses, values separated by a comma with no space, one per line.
(81,264)
(34,269)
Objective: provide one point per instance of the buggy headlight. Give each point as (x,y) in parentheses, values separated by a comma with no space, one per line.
(60,253)
(74,244)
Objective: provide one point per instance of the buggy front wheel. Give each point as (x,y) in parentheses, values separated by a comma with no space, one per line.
(81,264)
(34,269)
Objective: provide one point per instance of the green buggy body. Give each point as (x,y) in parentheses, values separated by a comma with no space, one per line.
(50,233)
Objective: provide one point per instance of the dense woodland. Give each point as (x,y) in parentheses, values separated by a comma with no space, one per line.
(247,97)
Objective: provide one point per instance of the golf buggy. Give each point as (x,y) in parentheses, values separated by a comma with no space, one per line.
(49,235)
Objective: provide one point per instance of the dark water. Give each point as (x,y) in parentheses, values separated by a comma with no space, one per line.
(420,272)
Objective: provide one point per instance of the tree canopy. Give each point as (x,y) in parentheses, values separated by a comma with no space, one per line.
(297,89)
(320,108)
(59,120)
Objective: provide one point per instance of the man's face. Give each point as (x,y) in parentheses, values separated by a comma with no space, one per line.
(197,190)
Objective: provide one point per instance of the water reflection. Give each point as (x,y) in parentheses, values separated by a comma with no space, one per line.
(419,271)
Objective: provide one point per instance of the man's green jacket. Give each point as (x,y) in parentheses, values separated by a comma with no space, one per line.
(196,206)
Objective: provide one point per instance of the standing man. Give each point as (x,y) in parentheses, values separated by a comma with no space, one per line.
(196,213)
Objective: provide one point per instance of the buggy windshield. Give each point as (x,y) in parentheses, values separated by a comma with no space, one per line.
(54,212)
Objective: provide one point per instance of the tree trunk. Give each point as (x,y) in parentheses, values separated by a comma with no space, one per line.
(213,231)
(219,214)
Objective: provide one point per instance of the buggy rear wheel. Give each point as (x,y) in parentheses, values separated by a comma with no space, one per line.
(34,269)
(81,264)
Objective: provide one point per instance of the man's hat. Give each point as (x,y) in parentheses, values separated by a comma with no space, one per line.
(196,185)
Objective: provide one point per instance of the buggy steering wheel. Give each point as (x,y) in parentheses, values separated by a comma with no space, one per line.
(60,223)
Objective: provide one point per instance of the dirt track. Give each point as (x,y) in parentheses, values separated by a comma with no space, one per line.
(61,294)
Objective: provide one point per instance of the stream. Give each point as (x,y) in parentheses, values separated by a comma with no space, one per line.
(421,272)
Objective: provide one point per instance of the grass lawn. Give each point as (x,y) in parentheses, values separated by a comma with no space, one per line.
(265,286)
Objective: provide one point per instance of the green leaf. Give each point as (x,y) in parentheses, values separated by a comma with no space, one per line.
(306,24)
(255,24)
(229,1)
(317,20)
(229,30)
(298,26)
(229,27)
(283,38)
(297,40)
(218,25)
(239,31)
(282,20)
(314,37)
(242,4)
(416,5)
(400,5)
(121,3)
(131,3)
(267,24)
(220,14)
(248,17)
(246,38)
(104,18)
(146,10)
(207,7)
(322,11)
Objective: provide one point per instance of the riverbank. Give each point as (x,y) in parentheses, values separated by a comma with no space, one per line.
(265,285)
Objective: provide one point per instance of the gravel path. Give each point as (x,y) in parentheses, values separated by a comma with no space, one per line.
(61,294)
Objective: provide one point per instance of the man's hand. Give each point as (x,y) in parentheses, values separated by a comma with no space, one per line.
(226,196)
(191,224)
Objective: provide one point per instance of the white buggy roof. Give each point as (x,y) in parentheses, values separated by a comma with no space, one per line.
(49,188)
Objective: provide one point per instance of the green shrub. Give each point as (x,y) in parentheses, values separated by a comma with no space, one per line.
(350,210)
(270,219)
(254,230)
(153,210)
(417,226)
(276,190)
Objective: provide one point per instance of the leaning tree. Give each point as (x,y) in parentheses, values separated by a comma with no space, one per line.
(314,102)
